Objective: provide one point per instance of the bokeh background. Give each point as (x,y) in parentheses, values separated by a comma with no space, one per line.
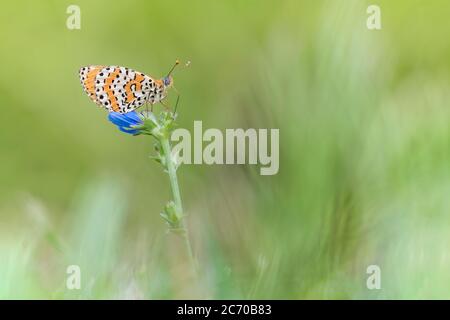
(364,151)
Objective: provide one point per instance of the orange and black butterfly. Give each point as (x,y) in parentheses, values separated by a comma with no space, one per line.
(120,89)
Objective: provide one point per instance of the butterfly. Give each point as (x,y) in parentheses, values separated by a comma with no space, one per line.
(121,89)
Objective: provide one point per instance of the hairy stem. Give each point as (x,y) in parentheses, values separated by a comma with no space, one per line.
(167,151)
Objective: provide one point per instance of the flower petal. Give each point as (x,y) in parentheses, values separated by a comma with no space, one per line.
(125,120)
(129,131)
(133,118)
(117,119)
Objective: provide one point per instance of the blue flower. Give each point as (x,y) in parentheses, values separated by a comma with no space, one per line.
(126,122)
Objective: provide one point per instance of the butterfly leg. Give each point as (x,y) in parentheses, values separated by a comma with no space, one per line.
(178,99)
(166,107)
(176,105)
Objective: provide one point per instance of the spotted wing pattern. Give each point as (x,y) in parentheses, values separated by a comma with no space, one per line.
(87,78)
(120,89)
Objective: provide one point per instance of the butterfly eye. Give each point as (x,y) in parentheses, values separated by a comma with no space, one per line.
(167,81)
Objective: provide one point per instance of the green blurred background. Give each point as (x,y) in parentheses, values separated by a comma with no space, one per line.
(364,151)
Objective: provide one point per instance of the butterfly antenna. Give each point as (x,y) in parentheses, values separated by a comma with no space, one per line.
(177,62)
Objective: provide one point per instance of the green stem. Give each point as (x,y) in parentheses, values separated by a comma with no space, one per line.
(167,151)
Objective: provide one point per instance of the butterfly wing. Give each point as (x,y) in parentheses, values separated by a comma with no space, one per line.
(87,78)
(117,89)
